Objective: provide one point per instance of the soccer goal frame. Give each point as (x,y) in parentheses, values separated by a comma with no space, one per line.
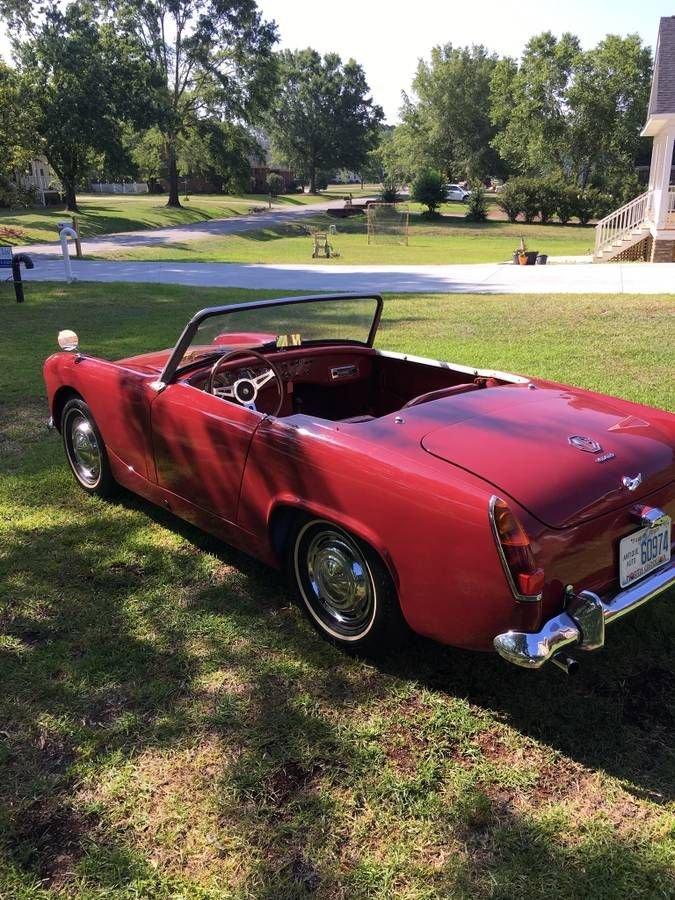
(387,223)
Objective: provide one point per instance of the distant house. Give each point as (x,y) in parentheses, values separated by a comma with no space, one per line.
(259,175)
(41,177)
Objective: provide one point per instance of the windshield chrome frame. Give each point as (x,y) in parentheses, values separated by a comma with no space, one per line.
(184,341)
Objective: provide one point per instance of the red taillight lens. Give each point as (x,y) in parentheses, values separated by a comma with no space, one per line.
(517,551)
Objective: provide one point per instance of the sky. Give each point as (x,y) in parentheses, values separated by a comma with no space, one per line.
(388,37)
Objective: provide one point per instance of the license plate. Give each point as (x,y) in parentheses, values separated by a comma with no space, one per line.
(643,551)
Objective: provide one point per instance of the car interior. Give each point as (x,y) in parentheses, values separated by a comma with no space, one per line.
(347,384)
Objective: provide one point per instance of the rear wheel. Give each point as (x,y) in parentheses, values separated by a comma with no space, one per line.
(345,589)
(85,449)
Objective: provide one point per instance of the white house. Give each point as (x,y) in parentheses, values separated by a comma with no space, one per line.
(40,176)
(645,227)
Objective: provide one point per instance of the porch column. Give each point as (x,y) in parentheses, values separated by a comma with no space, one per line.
(659,177)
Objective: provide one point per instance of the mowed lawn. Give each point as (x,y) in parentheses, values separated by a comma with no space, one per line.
(170,727)
(448,239)
(111,213)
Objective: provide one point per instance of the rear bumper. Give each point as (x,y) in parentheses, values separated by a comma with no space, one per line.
(583,623)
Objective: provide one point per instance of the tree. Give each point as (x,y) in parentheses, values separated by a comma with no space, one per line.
(428,189)
(18,139)
(607,107)
(529,104)
(83,81)
(275,183)
(569,112)
(448,114)
(213,59)
(323,117)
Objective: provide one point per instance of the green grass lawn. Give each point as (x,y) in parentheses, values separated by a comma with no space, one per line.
(112,213)
(170,727)
(446,240)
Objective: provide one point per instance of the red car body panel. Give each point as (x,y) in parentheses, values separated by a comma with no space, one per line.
(416,490)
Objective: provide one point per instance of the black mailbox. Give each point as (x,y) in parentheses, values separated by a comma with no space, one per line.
(9,261)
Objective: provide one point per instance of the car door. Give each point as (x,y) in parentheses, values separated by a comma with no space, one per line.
(200,445)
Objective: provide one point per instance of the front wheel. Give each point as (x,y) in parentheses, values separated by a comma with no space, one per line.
(345,588)
(85,449)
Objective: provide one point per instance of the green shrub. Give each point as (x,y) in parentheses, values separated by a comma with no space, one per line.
(591,204)
(389,193)
(428,189)
(477,210)
(275,183)
(530,199)
(549,191)
(567,203)
(9,193)
(510,199)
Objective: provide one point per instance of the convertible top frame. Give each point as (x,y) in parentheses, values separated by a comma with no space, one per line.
(190,329)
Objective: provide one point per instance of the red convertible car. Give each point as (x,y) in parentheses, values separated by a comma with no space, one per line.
(482,509)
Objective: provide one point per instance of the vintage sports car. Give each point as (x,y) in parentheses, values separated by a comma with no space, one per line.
(482,509)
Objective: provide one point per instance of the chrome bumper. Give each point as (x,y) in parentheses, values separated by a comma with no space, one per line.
(583,622)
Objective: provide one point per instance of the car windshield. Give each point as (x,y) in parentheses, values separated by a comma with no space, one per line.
(328,320)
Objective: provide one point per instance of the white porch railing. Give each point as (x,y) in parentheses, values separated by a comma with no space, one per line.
(623,221)
(670,216)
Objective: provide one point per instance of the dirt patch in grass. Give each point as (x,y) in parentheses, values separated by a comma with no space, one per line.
(51,839)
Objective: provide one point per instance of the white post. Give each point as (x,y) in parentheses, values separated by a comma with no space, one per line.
(67,232)
(659,176)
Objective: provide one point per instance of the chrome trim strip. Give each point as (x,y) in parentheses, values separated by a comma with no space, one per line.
(456,367)
(527,598)
(576,626)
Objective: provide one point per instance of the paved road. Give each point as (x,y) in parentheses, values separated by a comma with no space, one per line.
(154,237)
(632,278)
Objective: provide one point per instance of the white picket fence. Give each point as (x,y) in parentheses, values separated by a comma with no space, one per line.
(131,187)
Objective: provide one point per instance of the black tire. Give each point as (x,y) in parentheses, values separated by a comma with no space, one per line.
(345,589)
(85,449)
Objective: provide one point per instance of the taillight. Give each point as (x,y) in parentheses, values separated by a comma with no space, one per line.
(526,580)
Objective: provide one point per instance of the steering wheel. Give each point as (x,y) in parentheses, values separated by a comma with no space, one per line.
(245,391)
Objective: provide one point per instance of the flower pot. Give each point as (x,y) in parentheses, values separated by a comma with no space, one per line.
(541,260)
(531,257)
(522,259)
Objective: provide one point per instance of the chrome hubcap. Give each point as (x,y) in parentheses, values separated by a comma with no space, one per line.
(339,581)
(84,451)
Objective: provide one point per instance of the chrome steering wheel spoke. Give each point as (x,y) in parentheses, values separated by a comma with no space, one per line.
(244,390)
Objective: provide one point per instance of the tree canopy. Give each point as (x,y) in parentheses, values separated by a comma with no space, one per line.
(323,116)
(78,109)
(446,120)
(573,111)
(212,59)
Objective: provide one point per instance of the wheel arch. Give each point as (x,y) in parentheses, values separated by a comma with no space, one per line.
(61,397)
(286,512)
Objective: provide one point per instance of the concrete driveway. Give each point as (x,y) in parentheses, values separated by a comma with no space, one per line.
(488,278)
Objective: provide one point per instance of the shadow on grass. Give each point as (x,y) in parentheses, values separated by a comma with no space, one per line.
(110,633)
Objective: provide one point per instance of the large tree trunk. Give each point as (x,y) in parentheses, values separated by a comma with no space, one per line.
(173,174)
(71,198)
(312,179)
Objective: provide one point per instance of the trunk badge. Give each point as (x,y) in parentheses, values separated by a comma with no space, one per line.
(632,483)
(581,442)
(610,454)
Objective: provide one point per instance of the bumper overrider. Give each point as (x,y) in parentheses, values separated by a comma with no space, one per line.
(582,625)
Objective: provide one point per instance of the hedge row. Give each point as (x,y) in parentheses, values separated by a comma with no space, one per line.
(544,198)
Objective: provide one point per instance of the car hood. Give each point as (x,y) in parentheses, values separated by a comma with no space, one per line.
(522,447)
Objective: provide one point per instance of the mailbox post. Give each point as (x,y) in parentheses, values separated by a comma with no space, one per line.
(9,261)
(74,227)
